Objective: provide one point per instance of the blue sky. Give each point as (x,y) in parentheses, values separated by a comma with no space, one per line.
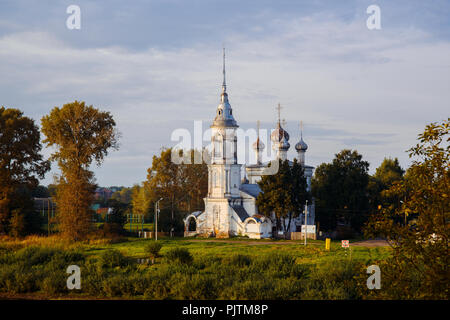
(156,66)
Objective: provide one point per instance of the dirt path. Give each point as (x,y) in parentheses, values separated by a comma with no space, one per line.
(370,243)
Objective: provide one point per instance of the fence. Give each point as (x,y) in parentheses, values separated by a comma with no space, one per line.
(151,234)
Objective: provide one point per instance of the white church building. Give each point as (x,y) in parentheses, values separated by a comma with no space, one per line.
(230,205)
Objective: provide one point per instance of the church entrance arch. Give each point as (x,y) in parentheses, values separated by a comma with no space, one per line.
(192,224)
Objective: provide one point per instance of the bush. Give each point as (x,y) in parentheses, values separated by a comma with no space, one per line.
(332,281)
(152,249)
(15,278)
(33,255)
(193,287)
(113,258)
(179,255)
(56,283)
(119,285)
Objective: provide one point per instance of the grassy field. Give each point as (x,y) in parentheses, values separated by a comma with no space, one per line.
(214,269)
(314,252)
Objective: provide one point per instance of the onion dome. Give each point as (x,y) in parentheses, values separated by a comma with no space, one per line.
(284,144)
(301,145)
(258,145)
(279,134)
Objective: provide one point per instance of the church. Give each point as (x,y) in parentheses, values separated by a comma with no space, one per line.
(230,205)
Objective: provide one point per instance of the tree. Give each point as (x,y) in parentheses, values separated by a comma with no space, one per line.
(21,165)
(283,194)
(124,195)
(81,135)
(418,229)
(389,172)
(117,218)
(385,176)
(181,185)
(140,200)
(340,190)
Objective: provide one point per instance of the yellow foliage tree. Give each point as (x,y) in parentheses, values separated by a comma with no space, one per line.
(81,134)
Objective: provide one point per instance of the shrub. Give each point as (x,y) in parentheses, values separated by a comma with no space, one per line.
(113,258)
(179,255)
(55,283)
(118,285)
(33,255)
(16,279)
(152,249)
(193,287)
(92,278)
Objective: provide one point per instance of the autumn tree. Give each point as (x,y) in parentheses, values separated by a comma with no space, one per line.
(418,229)
(340,191)
(140,200)
(181,185)
(80,134)
(124,195)
(283,194)
(21,165)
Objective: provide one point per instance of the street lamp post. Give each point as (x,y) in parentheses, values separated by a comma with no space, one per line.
(306,221)
(156,218)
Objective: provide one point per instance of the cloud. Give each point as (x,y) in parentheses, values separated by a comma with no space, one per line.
(373,91)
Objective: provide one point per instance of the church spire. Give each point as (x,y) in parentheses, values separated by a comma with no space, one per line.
(279,114)
(224,113)
(224,84)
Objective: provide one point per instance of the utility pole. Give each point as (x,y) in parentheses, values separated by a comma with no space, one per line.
(306,221)
(156,218)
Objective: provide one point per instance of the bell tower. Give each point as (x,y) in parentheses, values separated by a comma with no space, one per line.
(224,171)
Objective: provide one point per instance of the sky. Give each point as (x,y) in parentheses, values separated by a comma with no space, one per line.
(157,67)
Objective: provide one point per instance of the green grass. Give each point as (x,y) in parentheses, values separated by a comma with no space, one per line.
(230,269)
(314,251)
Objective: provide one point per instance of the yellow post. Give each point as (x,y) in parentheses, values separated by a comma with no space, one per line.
(327,244)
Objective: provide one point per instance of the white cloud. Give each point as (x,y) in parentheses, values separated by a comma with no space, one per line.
(376,89)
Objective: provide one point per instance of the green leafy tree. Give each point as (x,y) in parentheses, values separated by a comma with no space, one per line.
(81,134)
(385,176)
(283,194)
(21,165)
(389,172)
(418,228)
(340,190)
